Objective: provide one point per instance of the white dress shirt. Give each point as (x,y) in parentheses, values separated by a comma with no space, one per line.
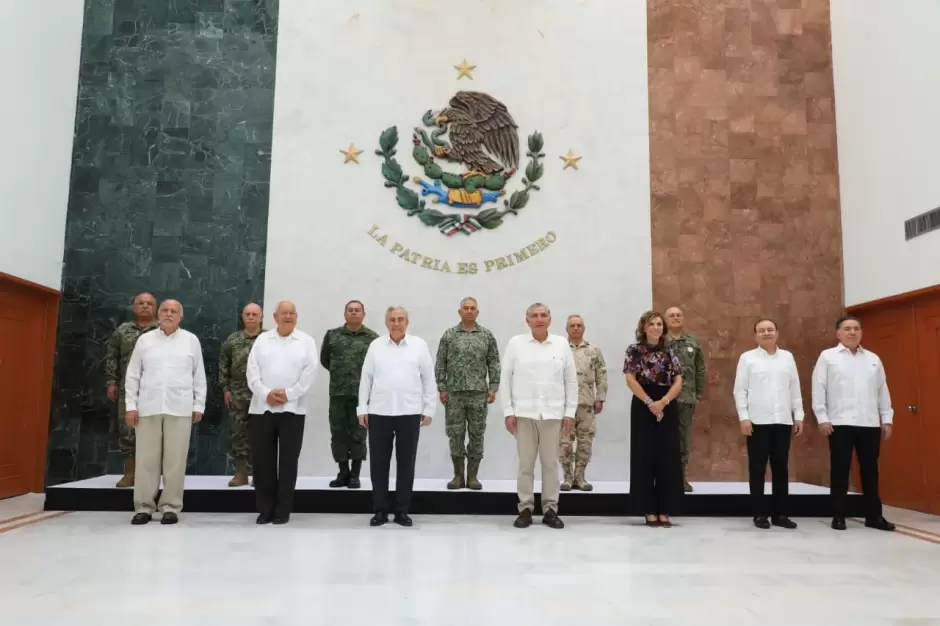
(767,388)
(397,378)
(539,378)
(166,375)
(851,389)
(276,362)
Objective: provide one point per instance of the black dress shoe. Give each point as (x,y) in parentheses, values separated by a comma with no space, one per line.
(761,522)
(402,519)
(281,520)
(879,523)
(552,520)
(169,518)
(838,523)
(140,518)
(379,519)
(263,519)
(524,520)
(783,522)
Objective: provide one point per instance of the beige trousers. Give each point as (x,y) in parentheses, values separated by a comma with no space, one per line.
(537,439)
(162,447)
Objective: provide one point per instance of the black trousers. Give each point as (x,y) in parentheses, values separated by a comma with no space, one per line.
(402,431)
(769,442)
(655,461)
(866,441)
(276,439)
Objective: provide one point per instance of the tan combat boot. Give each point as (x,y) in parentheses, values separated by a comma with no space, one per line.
(127,480)
(241,474)
(473,468)
(569,477)
(579,482)
(458,481)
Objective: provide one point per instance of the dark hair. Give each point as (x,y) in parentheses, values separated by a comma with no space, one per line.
(354,302)
(645,319)
(766,319)
(847,318)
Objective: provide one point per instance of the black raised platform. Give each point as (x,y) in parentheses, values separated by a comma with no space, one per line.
(210,494)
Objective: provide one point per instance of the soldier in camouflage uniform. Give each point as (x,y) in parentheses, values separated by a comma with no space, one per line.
(342,353)
(120,348)
(689,351)
(466,356)
(233,378)
(592,392)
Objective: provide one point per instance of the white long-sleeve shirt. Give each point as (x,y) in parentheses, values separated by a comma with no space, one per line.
(539,378)
(276,362)
(851,389)
(166,375)
(397,378)
(767,388)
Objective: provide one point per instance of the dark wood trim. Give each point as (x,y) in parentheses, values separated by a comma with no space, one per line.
(22,282)
(901,298)
(43,404)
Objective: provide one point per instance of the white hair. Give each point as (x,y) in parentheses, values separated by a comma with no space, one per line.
(396,308)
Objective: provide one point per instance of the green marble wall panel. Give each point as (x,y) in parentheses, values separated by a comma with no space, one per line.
(169,194)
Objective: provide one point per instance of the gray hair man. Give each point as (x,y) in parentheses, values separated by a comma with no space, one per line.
(540,399)
(165,394)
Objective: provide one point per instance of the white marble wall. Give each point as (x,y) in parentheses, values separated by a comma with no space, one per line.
(576,71)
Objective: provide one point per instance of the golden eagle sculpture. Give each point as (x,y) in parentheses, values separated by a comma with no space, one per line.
(483,135)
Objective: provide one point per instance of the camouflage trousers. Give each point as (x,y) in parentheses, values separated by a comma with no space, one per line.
(241,444)
(465,412)
(347,437)
(127,436)
(686,411)
(585,426)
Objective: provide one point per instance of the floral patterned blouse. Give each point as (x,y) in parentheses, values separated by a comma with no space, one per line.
(652,366)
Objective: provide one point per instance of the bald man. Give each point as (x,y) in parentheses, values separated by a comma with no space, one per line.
(165,393)
(233,378)
(120,348)
(281,369)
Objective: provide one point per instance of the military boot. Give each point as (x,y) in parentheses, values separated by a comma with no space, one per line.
(354,475)
(579,482)
(569,477)
(342,478)
(686,485)
(473,467)
(458,481)
(127,480)
(241,474)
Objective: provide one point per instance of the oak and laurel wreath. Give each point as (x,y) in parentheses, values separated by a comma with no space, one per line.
(491,218)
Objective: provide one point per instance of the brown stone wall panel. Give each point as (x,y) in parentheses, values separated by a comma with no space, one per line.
(745,206)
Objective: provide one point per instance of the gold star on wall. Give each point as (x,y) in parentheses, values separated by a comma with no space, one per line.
(351,154)
(570,160)
(465,69)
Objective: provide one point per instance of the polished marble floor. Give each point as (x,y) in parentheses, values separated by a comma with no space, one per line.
(95,568)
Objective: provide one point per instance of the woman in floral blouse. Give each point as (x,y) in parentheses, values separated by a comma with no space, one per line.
(655,378)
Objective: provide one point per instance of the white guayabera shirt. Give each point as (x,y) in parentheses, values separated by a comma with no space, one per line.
(767,388)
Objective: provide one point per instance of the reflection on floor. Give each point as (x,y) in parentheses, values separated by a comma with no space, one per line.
(439,484)
(462,570)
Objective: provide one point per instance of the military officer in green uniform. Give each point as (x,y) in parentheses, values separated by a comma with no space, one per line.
(467,373)
(592,393)
(233,378)
(689,351)
(120,348)
(342,353)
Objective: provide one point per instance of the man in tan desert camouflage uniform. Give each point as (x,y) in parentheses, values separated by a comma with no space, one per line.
(592,392)
(120,348)
(233,364)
